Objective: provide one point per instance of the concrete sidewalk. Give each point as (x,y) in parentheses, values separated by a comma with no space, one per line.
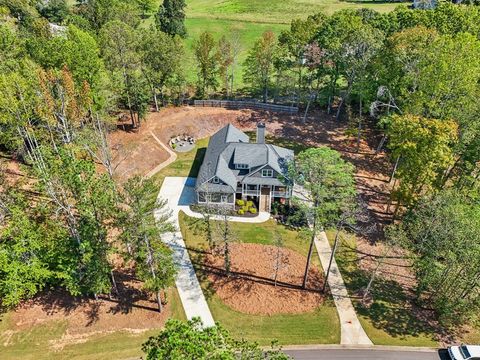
(179,193)
(188,287)
(352,332)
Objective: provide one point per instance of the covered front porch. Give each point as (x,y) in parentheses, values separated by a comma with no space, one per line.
(262,195)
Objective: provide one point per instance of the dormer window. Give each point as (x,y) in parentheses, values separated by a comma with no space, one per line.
(241,166)
(216,180)
(267,173)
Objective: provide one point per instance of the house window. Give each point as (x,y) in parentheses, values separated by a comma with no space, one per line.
(216,180)
(267,173)
(241,166)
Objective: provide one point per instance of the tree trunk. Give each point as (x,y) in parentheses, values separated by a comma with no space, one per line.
(309,256)
(394,169)
(359,135)
(306,111)
(334,249)
(380,145)
(155,100)
(159,302)
(265,93)
(114,282)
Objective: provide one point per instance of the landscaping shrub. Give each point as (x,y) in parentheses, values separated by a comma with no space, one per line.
(253,211)
(245,208)
(249,204)
(240,202)
(240,212)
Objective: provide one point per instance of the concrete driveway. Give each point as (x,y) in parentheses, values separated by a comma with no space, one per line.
(179,193)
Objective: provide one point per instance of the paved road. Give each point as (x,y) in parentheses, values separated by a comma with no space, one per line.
(347,354)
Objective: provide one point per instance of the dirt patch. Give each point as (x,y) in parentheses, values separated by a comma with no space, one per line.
(133,310)
(137,152)
(250,288)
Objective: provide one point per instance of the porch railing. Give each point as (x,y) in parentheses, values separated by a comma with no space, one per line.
(251,192)
(284,194)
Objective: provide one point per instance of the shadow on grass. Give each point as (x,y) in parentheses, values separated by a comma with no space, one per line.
(197,162)
(392,310)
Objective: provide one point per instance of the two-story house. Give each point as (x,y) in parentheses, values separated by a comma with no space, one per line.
(234,168)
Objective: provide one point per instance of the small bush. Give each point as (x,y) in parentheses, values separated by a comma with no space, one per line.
(240,202)
(174,146)
(245,208)
(240,212)
(253,211)
(249,203)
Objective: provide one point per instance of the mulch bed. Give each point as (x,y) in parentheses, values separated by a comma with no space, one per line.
(250,287)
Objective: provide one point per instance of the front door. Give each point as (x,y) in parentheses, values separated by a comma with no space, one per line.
(265,198)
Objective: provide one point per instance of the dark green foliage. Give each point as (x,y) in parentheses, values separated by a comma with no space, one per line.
(189,340)
(207,63)
(141,235)
(443,233)
(170,18)
(56,11)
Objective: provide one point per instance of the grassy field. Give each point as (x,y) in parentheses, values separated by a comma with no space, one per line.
(251,18)
(388,321)
(318,327)
(35,343)
(278,12)
(248,33)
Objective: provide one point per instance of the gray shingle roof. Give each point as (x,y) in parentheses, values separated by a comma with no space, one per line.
(230,146)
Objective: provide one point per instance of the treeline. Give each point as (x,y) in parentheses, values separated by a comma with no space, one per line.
(65,221)
(416,73)
(101,42)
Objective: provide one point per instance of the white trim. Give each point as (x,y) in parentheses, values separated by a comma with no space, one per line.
(216,180)
(267,176)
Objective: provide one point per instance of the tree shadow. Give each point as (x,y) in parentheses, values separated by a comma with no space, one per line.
(130,296)
(392,309)
(212,277)
(197,162)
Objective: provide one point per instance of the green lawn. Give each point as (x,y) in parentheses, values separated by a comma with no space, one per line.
(251,18)
(388,321)
(279,11)
(36,342)
(248,33)
(186,164)
(318,327)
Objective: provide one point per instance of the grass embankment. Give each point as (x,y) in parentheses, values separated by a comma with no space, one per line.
(186,164)
(388,321)
(50,340)
(320,326)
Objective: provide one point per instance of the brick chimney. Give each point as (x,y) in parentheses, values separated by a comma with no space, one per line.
(261,133)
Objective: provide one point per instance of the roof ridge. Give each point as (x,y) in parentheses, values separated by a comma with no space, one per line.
(227,132)
(276,152)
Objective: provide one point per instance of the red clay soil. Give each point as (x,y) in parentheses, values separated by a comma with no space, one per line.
(137,152)
(250,288)
(132,311)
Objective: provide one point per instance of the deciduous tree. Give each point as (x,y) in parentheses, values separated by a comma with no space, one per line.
(190,340)
(329,189)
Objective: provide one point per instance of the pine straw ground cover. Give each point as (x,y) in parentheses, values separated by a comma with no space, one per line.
(247,302)
(248,289)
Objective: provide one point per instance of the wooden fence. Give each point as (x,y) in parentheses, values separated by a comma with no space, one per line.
(230,104)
